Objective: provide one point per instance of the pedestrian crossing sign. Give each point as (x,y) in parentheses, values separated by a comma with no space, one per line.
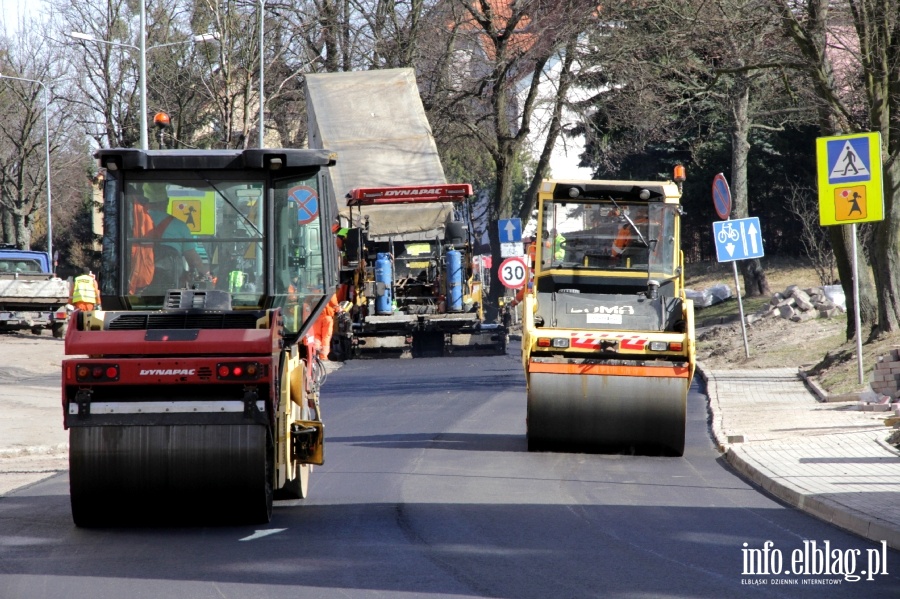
(849,177)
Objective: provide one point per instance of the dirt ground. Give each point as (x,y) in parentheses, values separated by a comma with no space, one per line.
(771,343)
(32,439)
(817,345)
(23,354)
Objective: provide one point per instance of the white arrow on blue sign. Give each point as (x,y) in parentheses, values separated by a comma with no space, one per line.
(738,239)
(510,230)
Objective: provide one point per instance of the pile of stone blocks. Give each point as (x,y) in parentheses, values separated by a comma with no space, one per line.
(885,385)
(797,305)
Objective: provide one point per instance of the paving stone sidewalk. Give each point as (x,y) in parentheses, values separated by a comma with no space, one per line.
(828,459)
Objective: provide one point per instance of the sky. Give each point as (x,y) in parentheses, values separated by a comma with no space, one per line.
(12,11)
(565,155)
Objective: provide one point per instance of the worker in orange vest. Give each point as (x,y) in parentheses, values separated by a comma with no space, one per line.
(85,291)
(627,234)
(323,328)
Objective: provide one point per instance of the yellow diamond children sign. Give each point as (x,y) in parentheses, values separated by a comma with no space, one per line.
(849,175)
(196,208)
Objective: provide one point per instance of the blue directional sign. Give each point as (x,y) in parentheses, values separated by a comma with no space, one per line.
(510,230)
(738,239)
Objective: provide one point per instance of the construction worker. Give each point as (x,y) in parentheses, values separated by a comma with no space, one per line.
(323,328)
(627,234)
(166,226)
(553,247)
(85,291)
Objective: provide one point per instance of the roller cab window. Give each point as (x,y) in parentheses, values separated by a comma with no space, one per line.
(607,235)
(186,230)
(299,261)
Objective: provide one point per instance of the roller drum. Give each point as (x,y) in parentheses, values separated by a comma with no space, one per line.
(603,411)
(173,474)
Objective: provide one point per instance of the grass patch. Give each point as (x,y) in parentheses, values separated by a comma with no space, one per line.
(729,309)
(838,371)
(780,273)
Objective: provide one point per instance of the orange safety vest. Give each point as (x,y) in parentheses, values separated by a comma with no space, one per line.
(624,237)
(142,264)
(323,328)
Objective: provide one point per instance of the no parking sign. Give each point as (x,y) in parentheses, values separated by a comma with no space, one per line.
(307,201)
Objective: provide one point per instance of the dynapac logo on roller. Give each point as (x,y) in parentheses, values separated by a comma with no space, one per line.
(427,191)
(169,372)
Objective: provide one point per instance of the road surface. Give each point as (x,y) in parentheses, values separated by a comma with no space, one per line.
(428,491)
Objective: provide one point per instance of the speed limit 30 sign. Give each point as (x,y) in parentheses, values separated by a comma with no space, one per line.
(513,272)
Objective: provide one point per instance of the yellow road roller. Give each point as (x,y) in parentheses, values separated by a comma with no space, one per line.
(608,334)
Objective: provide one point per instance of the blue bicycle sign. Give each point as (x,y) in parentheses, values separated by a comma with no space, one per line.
(738,239)
(728,232)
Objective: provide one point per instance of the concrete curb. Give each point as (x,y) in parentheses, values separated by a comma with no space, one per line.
(714,413)
(825,509)
(823,395)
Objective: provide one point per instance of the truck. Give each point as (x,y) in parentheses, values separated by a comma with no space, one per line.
(415,295)
(32,297)
(390,173)
(608,343)
(192,396)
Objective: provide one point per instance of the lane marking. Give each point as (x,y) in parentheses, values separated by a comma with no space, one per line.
(263,533)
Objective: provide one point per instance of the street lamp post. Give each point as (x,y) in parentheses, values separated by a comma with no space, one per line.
(143,52)
(142,74)
(262,72)
(47,158)
(262,94)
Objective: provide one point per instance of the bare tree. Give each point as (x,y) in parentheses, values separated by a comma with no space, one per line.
(803,202)
(865,44)
(31,129)
(109,90)
(679,72)
(487,83)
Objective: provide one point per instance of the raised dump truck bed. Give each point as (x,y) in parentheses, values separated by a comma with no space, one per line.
(384,186)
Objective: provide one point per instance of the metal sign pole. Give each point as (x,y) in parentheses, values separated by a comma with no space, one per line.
(737,289)
(856,320)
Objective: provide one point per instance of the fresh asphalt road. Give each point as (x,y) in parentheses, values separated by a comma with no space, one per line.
(428,491)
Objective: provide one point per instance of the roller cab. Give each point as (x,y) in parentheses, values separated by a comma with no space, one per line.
(192,397)
(608,334)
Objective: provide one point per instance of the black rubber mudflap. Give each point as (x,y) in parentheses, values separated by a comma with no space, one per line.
(428,345)
(170,475)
